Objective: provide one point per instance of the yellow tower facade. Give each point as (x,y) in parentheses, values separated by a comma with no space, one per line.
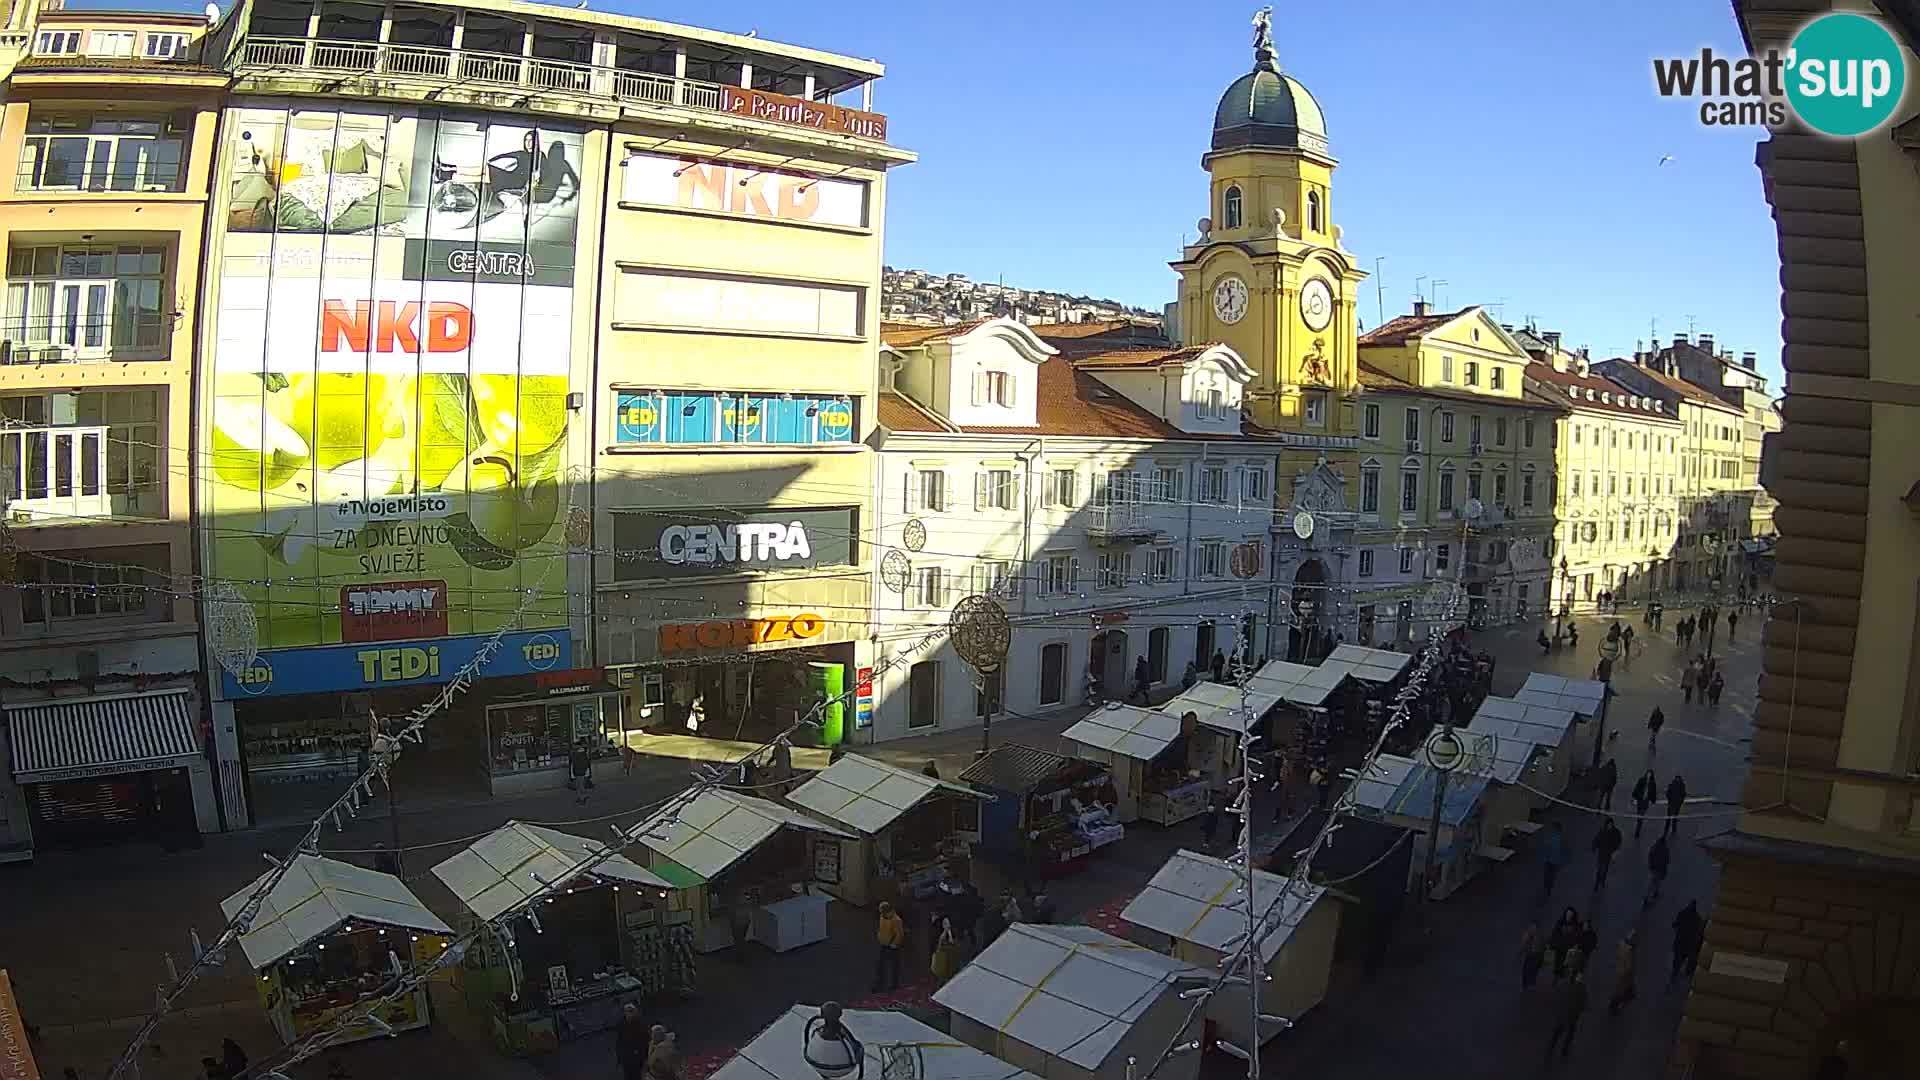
(1268,275)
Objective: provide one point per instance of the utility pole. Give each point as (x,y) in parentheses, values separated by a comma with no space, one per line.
(1379,292)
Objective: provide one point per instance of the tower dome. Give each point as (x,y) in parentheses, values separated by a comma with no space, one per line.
(1267,109)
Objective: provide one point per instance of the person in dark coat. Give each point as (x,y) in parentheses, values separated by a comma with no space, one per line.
(1606,843)
(1553,856)
(1689,930)
(1676,798)
(930,769)
(630,1043)
(1646,791)
(1715,688)
(1659,858)
(1603,784)
(1219,666)
(1209,824)
(1566,1016)
(1561,940)
(1733,623)
(1141,680)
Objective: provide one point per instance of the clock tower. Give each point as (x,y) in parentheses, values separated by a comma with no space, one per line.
(1268,275)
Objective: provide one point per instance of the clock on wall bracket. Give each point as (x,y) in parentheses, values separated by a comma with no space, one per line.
(1316,304)
(1230,299)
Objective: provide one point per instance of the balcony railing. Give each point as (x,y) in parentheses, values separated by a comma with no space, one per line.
(481,68)
(1121,521)
(54,472)
(100,163)
(85,339)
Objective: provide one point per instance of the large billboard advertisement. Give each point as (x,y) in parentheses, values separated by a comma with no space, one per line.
(387,431)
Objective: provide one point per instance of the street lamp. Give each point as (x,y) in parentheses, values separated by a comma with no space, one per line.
(830,1049)
(1444,752)
(1653,553)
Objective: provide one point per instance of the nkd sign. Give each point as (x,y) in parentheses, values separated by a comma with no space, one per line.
(712,542)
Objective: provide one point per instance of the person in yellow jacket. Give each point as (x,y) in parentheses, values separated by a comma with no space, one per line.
(890,935)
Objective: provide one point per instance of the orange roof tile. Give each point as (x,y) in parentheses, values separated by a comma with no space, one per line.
(1135,358)
(1618,394)
(1076,338)
(1679,386)
(1374,379)
(1071,402)
(907,335)
(900,413)
(1399,329)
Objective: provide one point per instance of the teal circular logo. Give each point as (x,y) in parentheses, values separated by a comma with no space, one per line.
(1845,74)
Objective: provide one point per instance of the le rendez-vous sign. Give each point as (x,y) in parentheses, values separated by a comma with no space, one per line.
(781,109)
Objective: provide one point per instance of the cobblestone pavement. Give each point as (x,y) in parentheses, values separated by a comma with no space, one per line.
(1453,998)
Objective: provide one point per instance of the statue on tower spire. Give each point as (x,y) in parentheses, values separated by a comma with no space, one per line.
(1263,39)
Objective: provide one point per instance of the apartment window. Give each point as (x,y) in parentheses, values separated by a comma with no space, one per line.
(1613,484)
(1053,673)
(1446,427)
(1576,485)
(682,299)
(1230,208)
(1058,575)
(1409,491)
(927,490)
(1446,369)
(1499,431)
(1369,491)
(1526,490)
(923,694)
(1499,489)
(1213,558)
(1497,377)
(1314,222)
(78,303)
(996,578)
(1213,484)
(1473,431)
(1473,484)
(115,43)
(1526,433)
(1253,485)
(1168,486)
(1446,491)
(993,388)
(75,586)
(1442,553)
(1370,420)
(1315,403)
(1406,560)
(1613,439)
(1609,532)
(1163,563)
(1060,489)
(82,454)
(994,489)
(1213,406)
(56,43)
(1115,569)
(1473,373)
(1412,427)
(930,588)
(1366,562)
(164,46)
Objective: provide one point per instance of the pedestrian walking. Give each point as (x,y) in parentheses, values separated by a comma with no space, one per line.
(1585,944)
(1733,623)
(1533,955)
(1141,680)
(1687,680)
(1562,940)
(1606,843)
(630,1043)
(1715,688)
(1655,721)
(1659,857)
(1566,1017)
(1684,632)
(1646,792)
(1676,798)
(1553,856)
(890,936)
(1623,972)
(1603,784)
(1219,666)
(663,1055)
(1191,677)
(1689,930)
(1209,824)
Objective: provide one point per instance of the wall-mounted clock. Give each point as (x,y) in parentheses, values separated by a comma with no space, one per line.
(1316,304)
(1230,299)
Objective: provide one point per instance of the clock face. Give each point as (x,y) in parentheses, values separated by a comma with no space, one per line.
(1230,299)
(1316,304)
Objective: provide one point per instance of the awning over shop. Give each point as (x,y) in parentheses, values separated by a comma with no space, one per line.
(719,828)
(1127,730)
(886,1037)
(315,898)
(511,863)
(869,795)
(100,736)
(1298,684)
(1223,706)
(1370,665)
(1580,696)
(1196,898)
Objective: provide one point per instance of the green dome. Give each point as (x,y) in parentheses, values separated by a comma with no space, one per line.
(1269,110)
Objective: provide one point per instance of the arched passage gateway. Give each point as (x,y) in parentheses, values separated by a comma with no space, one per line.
(1310,637)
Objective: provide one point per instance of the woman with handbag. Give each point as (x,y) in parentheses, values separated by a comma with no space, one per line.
(946,953)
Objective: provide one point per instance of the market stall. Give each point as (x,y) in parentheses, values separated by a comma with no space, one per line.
(1517,721)
(1073,1003)
(1517,772)
(616,935)
(746,865)
(893,1044)
(1582,697)
(1366,873)
(1312,693)
(328,934)
(1197,913)
(1222,712)
(1049,811)
(908,825)
(1400,791)
(1146,751)
(16,1053)
(1376,666)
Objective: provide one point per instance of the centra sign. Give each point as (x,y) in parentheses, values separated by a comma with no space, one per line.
(749,542)
(739,633)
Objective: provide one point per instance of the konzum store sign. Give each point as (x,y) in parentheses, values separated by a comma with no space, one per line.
(714,542)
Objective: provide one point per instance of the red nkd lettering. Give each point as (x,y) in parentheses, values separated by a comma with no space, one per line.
(392,326)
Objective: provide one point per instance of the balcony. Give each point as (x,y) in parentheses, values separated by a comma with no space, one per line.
(54,474)
(100,155)
(529,74)
(1121,522)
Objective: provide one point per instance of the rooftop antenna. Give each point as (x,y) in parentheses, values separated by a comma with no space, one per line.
(1437,282)
(1419,291)
(1689,326)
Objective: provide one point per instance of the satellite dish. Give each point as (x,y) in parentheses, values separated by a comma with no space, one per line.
(213,14)
(1205,225)
(1303,525)
(1472,509)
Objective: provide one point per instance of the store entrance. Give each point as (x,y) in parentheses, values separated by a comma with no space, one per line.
(104,810)
(749,701)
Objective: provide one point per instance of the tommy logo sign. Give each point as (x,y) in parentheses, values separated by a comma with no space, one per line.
(1843,75)
(393,611)
(739,633)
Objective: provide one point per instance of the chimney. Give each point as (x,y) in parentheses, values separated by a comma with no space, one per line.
(1552,338)
(1679,340)
(1748,359)
(1419,307)
(1706,344)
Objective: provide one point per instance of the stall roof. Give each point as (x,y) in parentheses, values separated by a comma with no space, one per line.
(721,827)
(1196,898)
(1128,730)
(776,1053)
(1580,696)
(1371,665)
(316,897)
(868,795)
(1219,705)
(1298,684)
(1510,718)
(1500,759)
(1016,767)
(1403,787)
(506,866)
(1071,992)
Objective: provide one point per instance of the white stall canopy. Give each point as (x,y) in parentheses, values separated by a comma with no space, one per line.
(1370,665)
(1511,718)
(1196,898)
(1580,696)
(1070,992)
(1127,730)
(719,828)
(894,1045)
(870,795)
(1498,758)
(318,896)
(1224,706)
(509,864)
(1298,684)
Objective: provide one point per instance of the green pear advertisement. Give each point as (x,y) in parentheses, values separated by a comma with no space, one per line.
(387,430)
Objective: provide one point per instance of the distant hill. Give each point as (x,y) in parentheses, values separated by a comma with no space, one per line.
(923,296)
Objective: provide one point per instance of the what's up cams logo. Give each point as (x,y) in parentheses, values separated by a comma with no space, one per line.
(1842,75)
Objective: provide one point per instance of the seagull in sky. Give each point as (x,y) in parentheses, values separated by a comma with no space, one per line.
(1664,158)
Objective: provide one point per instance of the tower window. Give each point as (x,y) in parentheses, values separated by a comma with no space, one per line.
(1230,208)
(1313,212)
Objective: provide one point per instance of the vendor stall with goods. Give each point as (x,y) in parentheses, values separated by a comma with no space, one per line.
(1312,695)
(890,1044)
(329,934)
(1146,752)
(909,827)
(1195,912)
(616,934)
(747,866)
(1073,1003)
(1221,713)
(1048,811)
(1400,791)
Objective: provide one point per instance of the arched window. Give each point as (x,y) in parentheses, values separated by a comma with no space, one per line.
(1313,212)
(1230,209)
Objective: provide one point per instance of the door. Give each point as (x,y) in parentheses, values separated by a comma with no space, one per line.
(923,694)
(1117,678)
(1203,647)
(1157,643)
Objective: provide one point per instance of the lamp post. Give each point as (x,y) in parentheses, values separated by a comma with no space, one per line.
(1566,600)
(1653,553)
(1444,753)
